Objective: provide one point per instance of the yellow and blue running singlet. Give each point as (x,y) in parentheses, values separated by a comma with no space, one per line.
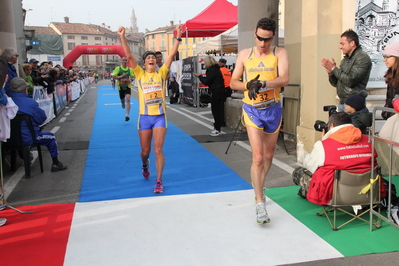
(267,69)
(262,112)
(151,90)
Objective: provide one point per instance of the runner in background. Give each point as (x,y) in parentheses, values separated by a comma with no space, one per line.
(124,75)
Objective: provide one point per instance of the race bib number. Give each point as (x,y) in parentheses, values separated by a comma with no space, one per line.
(124,82)
(265,98)
(153,95)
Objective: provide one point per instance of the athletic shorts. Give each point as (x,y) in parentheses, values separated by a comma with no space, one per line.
(147,122)
(268,119)
(122,93)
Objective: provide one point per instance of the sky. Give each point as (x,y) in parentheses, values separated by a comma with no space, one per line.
(150,14)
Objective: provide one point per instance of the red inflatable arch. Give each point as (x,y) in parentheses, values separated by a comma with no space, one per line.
(91,49)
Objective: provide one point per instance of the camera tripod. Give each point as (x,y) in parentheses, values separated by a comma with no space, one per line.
(235,136)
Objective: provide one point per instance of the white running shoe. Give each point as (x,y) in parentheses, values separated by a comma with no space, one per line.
(261,214)
(214,133)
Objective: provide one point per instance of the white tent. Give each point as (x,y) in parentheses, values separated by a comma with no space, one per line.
(226,42)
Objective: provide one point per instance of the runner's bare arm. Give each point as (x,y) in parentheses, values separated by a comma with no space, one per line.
(235,82)
(169,59)
(129,54)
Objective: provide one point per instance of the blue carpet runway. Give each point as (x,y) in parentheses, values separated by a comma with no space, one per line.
(206,215)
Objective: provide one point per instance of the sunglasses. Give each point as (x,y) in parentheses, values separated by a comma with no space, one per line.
(264,39)
(387,56)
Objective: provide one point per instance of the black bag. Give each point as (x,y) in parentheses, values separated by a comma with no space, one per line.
(394,197)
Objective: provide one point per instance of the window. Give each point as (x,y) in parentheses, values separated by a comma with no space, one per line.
(163,45)
(71,37)
(153,36)
(153,46)
(194,40)
(99,60)
(97,38)
(85,60)
(83,37)
(71,45)
(163,35)
(85,43)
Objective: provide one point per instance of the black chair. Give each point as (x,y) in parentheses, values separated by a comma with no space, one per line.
(14,143)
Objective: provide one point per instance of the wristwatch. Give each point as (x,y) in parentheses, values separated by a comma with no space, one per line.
(179,39)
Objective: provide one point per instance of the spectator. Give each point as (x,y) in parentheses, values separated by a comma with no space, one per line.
(29,106)
(174,88)
(214,80)
(5,116)
(28,77)
(226,76)
(3,101)
(158,56)
(391,58)
(11,56)
(226,73)
(355,106)
(343,147)
(353,73)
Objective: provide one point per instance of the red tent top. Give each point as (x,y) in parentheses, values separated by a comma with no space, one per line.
(218,17)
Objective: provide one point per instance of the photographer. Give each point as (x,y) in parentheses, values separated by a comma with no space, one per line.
(343,147)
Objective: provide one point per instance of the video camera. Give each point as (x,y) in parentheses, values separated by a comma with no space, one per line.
(319,125)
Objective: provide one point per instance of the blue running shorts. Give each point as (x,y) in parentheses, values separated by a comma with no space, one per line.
(147,122)
(268,119)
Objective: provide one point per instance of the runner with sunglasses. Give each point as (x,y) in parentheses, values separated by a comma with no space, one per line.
(264,69)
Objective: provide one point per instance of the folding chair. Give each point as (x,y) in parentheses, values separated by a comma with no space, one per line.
(352,189)
(14,143)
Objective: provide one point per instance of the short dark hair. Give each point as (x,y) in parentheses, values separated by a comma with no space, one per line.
(351,35)
(266,24)
(339,119)
(158,52)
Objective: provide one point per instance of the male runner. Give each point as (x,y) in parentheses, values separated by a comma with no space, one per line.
(265,70)
(124,75)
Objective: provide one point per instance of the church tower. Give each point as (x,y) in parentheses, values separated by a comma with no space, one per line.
(133,23)
(385,5)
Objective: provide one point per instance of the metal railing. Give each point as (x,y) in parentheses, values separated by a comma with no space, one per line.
(391,144)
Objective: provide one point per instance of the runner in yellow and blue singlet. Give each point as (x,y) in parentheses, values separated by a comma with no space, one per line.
(265,69)
(151,85)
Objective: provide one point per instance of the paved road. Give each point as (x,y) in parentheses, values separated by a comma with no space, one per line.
(73,130)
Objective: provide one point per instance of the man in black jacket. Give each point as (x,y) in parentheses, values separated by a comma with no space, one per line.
(353,73)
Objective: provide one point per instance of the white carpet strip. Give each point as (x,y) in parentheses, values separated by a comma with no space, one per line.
(199,229)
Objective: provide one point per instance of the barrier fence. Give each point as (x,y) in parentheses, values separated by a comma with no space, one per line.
(63,94)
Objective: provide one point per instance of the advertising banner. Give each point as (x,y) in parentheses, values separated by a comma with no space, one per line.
(45,102)
(60,98)
(376,23)
(187,81)
(74,87)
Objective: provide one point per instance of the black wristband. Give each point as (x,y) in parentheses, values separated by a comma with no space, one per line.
(179,39)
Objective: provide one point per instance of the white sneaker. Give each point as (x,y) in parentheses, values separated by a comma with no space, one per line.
(214,133)
(261,214)
(222,132)
(3,221)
